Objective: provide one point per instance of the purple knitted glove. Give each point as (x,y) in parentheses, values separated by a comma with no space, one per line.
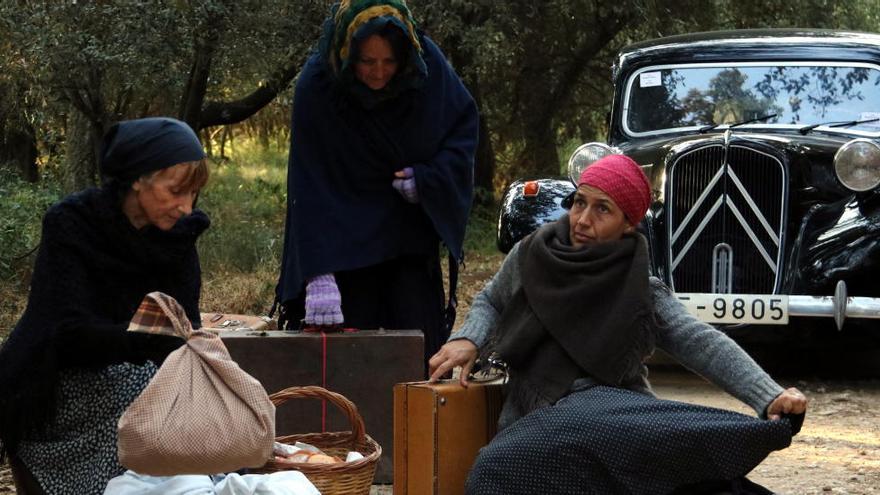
(323,302)
(405,183)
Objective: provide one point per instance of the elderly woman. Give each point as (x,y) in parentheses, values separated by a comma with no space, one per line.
(573,313)
(381,171)
(69,369)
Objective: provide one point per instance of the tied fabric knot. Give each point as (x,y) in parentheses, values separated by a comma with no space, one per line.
(323,301)
(157,435)
(406,186)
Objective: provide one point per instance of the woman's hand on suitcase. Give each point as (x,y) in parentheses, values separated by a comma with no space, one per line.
(460,352)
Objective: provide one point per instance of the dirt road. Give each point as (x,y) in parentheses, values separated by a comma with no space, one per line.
(838,449)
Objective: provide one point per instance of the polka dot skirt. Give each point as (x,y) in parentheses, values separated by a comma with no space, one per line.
(605,440)
(77,453)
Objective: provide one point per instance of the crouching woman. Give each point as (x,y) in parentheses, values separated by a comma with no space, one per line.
(574,314)
(69,369)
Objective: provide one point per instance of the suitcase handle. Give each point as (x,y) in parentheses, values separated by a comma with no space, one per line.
(314,392)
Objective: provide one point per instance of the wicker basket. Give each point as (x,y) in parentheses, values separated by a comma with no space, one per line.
(341,478)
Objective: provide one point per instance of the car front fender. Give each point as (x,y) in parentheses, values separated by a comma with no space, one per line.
(837,241)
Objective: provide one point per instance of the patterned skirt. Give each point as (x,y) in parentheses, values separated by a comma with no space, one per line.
(605,440)
(77,452)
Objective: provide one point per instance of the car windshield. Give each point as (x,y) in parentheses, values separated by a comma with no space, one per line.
(673,98)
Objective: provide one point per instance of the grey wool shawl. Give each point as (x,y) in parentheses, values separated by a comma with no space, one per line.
(581,312)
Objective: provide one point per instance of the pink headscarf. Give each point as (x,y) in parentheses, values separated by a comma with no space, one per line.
(621,178)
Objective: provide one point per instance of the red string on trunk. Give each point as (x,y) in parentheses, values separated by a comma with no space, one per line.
(324,368)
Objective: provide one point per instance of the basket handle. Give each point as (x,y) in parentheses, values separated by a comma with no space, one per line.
(314,392)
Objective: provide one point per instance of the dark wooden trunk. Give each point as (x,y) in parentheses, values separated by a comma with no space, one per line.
(363,366)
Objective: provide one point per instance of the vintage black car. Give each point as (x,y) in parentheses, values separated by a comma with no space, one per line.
(763,147)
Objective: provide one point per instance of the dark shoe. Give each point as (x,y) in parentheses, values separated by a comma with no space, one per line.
(739,486)
(25,483)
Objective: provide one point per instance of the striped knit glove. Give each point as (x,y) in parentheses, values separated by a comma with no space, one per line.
(405,183)
(323,302)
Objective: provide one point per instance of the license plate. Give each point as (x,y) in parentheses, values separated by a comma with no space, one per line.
(737,308)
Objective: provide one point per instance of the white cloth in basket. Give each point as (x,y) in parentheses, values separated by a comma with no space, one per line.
(280,483)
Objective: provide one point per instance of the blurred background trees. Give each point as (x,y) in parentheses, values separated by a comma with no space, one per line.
(71,69)
(540,71)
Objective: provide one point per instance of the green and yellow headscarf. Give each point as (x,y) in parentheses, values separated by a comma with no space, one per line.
(348,16)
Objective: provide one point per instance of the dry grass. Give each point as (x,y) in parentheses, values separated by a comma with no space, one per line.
(253,293)
(13,299)
(478,269)
(239,293)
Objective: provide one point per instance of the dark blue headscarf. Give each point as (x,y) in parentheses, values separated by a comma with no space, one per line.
(342,212)
(132,148)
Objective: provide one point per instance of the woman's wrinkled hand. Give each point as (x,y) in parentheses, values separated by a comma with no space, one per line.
(461,352)
(790,401)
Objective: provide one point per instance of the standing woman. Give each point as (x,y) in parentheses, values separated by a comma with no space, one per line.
(69,369)
(381,170)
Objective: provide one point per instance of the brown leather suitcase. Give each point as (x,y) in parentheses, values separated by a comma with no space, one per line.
(363,366)
(438,430)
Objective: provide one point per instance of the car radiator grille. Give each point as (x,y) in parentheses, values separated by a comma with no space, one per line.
(725,208)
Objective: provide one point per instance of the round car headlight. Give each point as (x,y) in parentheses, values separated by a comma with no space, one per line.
(584,156)
(857,164)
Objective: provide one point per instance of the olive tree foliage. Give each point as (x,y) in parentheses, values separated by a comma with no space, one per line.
(18,150)
(86,65)
(541,71)
(852,15)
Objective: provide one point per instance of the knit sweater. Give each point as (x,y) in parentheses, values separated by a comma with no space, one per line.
(693,343)
(92,270)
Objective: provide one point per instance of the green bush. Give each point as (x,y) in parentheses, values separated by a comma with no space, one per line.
(245,199)
(480,234)
(21,212)
(22,206)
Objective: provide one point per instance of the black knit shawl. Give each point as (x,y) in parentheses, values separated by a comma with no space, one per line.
(92,270)
(580,313)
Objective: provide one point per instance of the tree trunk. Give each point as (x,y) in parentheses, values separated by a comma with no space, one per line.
(463,60)
(484,168)
(539,156)
(263,136)
(232,112)
(224,136)
(80,170)
(541,97)
(18,151)
(206,141)
(197,84)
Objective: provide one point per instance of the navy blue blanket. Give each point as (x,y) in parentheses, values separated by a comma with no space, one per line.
(606,440)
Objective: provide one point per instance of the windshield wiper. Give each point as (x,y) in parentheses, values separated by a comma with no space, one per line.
(807,128)
(708,128)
